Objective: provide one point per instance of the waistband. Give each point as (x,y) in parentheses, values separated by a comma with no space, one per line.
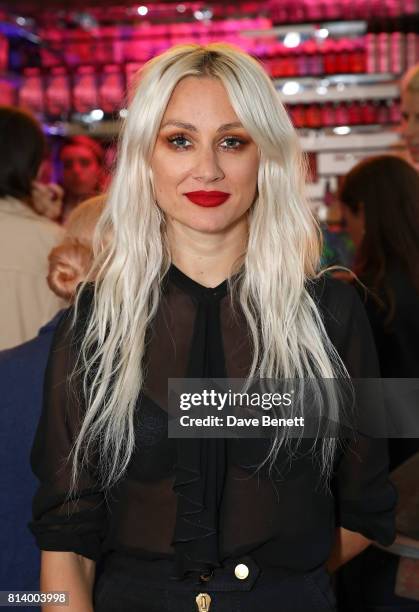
(235,574)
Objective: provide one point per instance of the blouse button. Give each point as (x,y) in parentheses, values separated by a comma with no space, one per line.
(241,571)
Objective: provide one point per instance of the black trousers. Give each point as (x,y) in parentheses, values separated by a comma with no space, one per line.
(127,584)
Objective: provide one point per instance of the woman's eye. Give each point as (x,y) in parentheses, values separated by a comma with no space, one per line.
(231,143)
(180,142)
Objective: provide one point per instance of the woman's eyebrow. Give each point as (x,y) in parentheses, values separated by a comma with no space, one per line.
(192,128)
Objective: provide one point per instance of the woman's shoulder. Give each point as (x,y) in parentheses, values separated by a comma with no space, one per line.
(340,307)
(332,294)
(74,319)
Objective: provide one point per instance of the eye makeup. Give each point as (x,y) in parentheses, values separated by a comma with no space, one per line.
(239,142)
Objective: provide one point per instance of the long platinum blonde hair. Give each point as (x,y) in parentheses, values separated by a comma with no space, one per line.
(287,332)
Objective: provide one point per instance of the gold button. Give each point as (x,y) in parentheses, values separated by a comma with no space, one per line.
(241,571)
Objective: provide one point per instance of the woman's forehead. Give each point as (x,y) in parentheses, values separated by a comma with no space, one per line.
(202,98)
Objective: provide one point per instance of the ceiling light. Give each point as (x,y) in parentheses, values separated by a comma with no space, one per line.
(292,39)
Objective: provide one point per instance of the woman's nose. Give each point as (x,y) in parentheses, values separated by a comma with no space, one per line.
(207,165)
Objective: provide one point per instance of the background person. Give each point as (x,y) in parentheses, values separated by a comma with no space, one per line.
(22,370)
(380,210)
(380,207)
(26,237)
(410,114)
(82,162)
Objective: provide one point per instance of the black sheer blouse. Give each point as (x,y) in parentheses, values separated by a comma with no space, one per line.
(199,501)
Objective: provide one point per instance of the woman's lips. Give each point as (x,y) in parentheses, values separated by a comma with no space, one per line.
(207,198)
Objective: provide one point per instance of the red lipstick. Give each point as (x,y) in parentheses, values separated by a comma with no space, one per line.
(207,198)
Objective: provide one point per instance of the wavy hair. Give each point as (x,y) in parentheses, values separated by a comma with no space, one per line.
(387,189)
(71,260)
(288,336)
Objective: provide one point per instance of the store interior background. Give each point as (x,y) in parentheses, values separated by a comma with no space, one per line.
(336,65)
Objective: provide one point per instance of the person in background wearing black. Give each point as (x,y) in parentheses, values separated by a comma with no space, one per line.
(380,209)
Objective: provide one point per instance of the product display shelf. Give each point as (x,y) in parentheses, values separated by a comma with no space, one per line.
(317,30)
(359,138)
(315,90)
(337,72)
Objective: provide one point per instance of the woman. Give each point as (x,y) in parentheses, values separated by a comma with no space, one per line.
(26,237)
(380,208)
(209,272)
(82,161)
(410,114)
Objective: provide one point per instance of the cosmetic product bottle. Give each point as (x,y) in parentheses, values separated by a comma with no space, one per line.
(327,114)
(302,63)
(299,115)
(290,62)
(343,62)
(7,93)
(315,10)
(85,94)
(330,57)
(358,57)
(371,51)
(383,115)
(370,112)
(412,45)
(397,52)
(57,94)
(31,94)
(51,49)
(4,53)
(313,116)
(354,112)
(331,10)
(103,45)
(383,52)
(394,111)
(342,114)
(111,89)
(78,48)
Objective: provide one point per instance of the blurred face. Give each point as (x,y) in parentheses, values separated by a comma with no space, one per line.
(81,170)
(354,223)
(410,122)
(204,164)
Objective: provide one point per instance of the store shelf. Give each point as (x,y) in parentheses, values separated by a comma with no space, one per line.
(356,140)
(335,29)
(338,91)
(360,138)
(361,78)
(99,129)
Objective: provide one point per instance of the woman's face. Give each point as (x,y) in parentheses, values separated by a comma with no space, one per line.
(81,170)
(204,163)
(410,122)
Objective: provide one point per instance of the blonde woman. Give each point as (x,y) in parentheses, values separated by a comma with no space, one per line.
(409,92)
(210,271)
